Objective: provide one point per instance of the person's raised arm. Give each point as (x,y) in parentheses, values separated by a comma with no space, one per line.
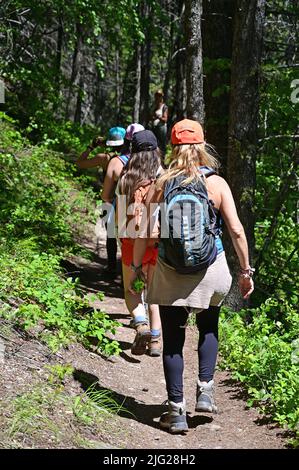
(100,159)
(238,237)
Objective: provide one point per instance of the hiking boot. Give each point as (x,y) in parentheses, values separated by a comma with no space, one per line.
(154,347)
(205,397)
(142,338)
(174,420)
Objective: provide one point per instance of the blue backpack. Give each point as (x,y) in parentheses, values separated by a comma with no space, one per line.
(189,219)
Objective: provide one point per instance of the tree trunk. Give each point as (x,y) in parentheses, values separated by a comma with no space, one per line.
(78,110)
(145,82)
(146,57)
(169,71)
(76,63)
(138,82)
(217,51)
(243,121)
(117,84)
(194,74)
(180,69)
(59,51)
(58,60)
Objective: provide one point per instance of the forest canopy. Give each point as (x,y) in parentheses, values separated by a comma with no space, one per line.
(69,70)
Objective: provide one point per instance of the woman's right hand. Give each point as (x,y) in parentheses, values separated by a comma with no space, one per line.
(246,286)
(135,275)
(98,141)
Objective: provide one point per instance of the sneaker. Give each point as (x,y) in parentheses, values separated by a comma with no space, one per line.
(205,397)
(142,338)
(174,420)
(154,347)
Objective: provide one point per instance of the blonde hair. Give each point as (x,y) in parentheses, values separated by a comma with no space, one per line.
(186,160)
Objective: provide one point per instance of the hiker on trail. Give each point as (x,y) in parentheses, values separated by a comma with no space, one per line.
(120,140)
(192,274)
(114,141)
(135,182)
(159,121)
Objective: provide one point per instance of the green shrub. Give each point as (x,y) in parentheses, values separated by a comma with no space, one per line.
(42,204)
(49,305)
(263,353)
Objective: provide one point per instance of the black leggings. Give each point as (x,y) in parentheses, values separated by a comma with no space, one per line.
(111,248)
(173,321)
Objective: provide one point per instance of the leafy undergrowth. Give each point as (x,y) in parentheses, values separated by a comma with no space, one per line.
(261,348)
(42,202)
(49,415)
(36,298)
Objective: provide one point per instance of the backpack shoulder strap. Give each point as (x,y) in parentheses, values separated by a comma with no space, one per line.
(207,171)
(124,159)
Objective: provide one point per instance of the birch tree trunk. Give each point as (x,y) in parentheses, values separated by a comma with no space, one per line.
(137,81)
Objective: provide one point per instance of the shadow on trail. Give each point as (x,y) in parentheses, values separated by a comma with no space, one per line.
(128,358)
(237,390)
(125,345)
(130,408)
(93,278)
(121,316)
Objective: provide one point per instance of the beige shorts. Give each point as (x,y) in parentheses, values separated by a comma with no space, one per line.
(197,290)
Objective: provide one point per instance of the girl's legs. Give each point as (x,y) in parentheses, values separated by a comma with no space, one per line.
(207,324)
(173,321)
(111,249)
(136,307)
(154,314)
(173,327)
(154,349)
(134,303)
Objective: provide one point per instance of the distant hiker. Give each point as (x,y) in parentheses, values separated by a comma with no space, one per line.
(135,182)
(119,139)
(192,274)
(114,141)
(159,121)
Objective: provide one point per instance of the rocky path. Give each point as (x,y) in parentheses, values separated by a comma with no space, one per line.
(138,383)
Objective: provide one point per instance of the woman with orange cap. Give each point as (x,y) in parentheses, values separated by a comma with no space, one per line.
(192,274)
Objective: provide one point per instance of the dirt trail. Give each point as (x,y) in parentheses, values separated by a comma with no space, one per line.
(139,383)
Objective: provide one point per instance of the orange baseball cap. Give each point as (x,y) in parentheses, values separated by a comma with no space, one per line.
(187,132)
